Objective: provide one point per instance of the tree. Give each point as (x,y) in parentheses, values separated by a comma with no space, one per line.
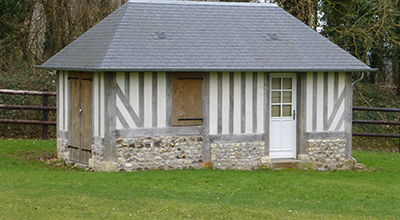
(34,30)
(68,19)
(304,10)
(365,28)
(14,32)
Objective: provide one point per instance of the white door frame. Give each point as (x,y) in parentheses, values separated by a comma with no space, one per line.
(282,134)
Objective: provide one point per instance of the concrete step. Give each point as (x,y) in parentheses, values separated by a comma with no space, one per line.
(285,163)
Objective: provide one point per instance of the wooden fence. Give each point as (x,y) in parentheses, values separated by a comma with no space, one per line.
(45,108)
(377,122)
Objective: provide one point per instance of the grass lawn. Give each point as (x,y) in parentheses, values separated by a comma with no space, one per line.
(34,190)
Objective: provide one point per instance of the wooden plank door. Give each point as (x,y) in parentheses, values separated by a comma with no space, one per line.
(80,113)
(283,116)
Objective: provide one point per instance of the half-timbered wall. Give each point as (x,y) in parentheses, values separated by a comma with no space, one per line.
(62,115)
(328,119)
(142,100)
(235,115)
(98,105)
(237,102)
(326,105)
(62,96)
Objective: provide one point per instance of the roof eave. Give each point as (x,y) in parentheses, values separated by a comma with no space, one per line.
(201,69)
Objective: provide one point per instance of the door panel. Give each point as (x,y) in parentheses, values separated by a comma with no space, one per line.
(282,116)
(80,116)
(86,117)
(74,119)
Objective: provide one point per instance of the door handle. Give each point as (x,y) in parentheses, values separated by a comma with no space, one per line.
(294,114)
(80,110)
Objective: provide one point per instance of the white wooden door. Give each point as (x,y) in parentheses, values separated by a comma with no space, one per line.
(282,133)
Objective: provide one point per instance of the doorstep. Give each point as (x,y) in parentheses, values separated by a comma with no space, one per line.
(285,163)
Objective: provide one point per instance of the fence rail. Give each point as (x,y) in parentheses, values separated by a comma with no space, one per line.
(27,107)
(357,108)
(45,108)
(24,92)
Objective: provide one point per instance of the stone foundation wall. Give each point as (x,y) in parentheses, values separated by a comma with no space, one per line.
(97,157)
(183,152)
(238,156)
(329,154)
(62,149)
(163,153)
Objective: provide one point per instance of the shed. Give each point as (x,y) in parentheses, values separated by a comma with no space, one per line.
(174,85)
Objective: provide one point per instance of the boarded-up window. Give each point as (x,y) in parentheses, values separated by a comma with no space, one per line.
(187,99)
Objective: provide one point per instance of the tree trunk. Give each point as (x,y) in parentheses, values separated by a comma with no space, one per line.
(49,40)
(315,14)
(310,13)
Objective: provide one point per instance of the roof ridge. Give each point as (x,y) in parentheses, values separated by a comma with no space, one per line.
(204,3)
(117,27)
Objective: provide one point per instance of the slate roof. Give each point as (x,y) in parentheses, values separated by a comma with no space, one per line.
(202,36)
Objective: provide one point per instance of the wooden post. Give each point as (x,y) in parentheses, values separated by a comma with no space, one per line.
(45,115)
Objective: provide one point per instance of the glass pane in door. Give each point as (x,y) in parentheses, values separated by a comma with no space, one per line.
(276,111)
(276,83)
(275,97)
(287,83)
(287,97)
(287,110)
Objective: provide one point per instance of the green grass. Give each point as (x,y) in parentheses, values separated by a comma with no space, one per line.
(34,190)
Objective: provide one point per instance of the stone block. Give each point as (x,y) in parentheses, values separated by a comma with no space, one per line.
(360,166)
(63,156)
(349,163)
(319,165)
(215,151)
(91,163)
(206,165)
(120,140)
(303,157)
(108,166)
(332,167)
(266,159)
